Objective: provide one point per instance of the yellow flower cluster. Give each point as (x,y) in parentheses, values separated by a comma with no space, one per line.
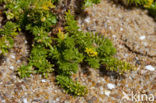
(149,3)
(91,52)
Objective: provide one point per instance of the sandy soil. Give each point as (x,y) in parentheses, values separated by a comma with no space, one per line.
(133,33)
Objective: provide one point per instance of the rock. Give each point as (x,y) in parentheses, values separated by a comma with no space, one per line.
(150,68)
(110,86)
(18,61)
(107,92)
(142,37)
(12,67)
(25,100)
(58,99)
(114,36)
(43,80)
(87,20)
(121,29)
(13,56)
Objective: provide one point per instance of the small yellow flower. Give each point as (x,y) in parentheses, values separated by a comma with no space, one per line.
(91,52)
(60,34)
(149,3)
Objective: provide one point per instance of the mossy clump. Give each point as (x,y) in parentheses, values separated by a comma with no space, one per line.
(7,35)
(73,47)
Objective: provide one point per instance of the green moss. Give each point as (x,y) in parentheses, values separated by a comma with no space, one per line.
(116,65)
(70,86)
(38,59)
(7,34)
(25,71)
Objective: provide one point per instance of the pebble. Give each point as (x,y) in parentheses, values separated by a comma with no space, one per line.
(126,55)
(25,42)
(121,29)
(114,36)
(12,67)
(149,67)
(107,92)
(43,80)
(25,100)
(110,86)
(55,91)
(57,99)
(142,37)
(13,56)
(87,20)
(98,81)
(110,28)
(18,61)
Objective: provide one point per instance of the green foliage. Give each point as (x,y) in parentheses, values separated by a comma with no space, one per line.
(152,10)
(93,47)
(74,47)
(7,34)
(67,56)
(116,65)
(88,3)
(41,18)
(25,71)
(33,16)
(9,29)
(137,2)
(38,59)
(70,86)
(145,3)
(37,20)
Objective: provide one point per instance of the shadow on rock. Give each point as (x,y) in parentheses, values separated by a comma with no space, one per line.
(2,58)
(115,75)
